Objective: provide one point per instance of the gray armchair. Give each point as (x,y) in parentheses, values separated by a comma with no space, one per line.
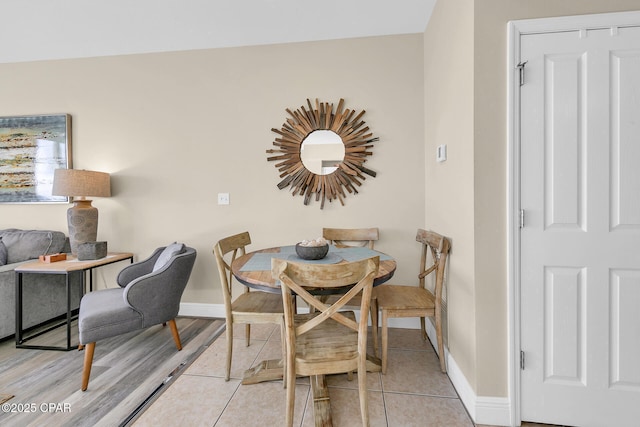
(149,293)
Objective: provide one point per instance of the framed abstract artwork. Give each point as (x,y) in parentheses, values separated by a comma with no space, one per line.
(31,148)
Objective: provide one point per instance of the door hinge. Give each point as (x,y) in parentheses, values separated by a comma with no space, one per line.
(520,68)
(522,360)
(521,218)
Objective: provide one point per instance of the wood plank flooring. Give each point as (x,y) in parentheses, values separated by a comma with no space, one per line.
(126,371)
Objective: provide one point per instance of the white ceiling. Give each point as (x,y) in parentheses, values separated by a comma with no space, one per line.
(54,29)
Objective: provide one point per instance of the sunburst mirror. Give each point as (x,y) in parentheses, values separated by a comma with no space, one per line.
(321,152)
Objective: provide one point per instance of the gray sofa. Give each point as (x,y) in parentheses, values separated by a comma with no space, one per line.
(44,295)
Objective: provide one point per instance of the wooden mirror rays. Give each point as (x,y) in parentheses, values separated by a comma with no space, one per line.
(350,172)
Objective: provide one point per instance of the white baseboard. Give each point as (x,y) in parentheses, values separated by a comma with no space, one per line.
(195,309)
(495,411)
(485,410)
(482,409)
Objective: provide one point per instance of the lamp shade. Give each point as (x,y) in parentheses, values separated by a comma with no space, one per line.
(81,183)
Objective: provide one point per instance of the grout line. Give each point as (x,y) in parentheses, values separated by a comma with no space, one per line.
(308,399)
(437,396)
(227,404)
(384,408)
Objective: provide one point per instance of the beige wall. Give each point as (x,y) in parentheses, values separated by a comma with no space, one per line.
(449,206)
(175,129)
(473,124)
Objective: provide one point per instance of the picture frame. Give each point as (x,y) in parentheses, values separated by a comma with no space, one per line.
(31,149)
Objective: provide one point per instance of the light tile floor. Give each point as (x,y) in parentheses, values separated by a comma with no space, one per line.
(413,392)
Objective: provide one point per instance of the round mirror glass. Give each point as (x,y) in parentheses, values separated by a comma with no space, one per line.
(322,151)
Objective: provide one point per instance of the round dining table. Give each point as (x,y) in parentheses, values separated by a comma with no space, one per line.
(254,270)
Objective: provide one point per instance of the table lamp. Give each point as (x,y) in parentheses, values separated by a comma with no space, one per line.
(81,217)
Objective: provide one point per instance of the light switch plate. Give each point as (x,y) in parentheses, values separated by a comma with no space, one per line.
(223,198)
(441,153)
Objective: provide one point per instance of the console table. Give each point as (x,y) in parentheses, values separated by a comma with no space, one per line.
(67,267)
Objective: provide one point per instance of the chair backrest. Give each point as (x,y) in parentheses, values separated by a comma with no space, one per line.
(439,247)
(351,236)
(236,245)
(157,295)
(303,278)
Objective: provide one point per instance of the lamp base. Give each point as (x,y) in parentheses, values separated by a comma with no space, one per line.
(83,223)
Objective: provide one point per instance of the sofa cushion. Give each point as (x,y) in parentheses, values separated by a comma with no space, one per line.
(3,253)
(171,250)
(29,244)
(7,230)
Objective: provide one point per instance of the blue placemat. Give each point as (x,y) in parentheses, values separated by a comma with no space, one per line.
(356,254)
(261,261)
(330,258)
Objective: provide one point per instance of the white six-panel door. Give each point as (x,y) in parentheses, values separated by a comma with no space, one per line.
(580,244)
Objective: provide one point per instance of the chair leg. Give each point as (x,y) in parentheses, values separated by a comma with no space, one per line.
(385,340)
(423,329)
(362,390)
(443,365)
(247,333)
(88,360)
(284,355)
(290,376)
(229,348)
(374,325)
(174,332)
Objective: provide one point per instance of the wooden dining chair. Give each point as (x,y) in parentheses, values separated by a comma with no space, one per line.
(327,341)
(352,237)
(416,301)
(248,307)
(365,237)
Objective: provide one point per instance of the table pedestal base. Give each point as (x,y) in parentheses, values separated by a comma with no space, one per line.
(321,404)
(267,370)
(272,370)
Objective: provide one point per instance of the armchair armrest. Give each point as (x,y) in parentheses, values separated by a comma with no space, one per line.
(138,269)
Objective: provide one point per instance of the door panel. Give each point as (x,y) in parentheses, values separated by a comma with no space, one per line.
(580,247)
(564,143)
(564,344)
(625,353)
(625,115)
